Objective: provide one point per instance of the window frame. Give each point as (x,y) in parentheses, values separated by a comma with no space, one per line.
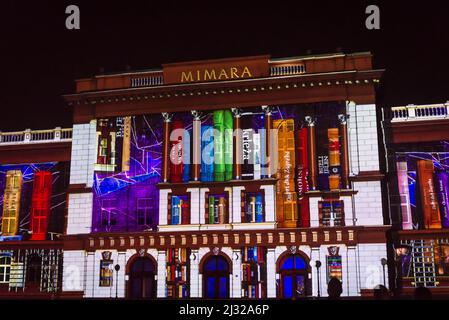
(147,212)
(5,275)
(106,281)
(109,210)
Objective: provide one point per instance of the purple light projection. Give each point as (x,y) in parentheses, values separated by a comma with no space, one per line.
(129,200)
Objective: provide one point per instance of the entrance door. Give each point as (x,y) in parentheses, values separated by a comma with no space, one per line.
(216,278)
(142,284)
(294,277)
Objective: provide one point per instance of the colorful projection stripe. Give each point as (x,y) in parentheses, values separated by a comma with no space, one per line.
(404,195)
(40,209)
(32,200)
(431,210)
(427,179)
(129,199)
(11,203)
(228,144)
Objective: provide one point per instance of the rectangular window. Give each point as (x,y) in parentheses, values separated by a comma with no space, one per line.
(109,143)
(216,208)
(40,209)
(5,268)
(11,202)
(331,213)
(178,209)
(106,273)
(334,267)
(109,212)
(145,208)
(252,207)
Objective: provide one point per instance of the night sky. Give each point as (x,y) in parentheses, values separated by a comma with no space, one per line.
(41,58)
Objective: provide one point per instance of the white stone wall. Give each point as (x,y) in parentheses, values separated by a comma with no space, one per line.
(118,282)
(194,205)
(364,156)
(363,141)
(83,153)
(236,203)
(195,285)
(202,202)
(371,273)
(79,218)
(82,172)
(271,273)
(73,271)
(313,209)
(89,264)
(350,271)
(161,274)
(346,277)
(368,203)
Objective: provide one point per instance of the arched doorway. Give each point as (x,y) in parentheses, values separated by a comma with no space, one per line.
(216,273)
(294,282)
(142,283)
(33,272)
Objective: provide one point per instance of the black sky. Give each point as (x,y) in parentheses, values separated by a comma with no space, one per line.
(41,58)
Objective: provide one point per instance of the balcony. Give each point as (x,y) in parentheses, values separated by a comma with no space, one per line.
(147,79)
(287,69)
(32,146)
(35,136)
(420,113)
(416,124)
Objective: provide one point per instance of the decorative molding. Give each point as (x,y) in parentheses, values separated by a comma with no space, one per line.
(367,176)
(235,238)
(331,194)
(78,188)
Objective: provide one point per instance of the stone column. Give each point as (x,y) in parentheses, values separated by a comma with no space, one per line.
(90,275)
(165,145)
(196,145)
(314,256)
(271,273)
(194,274)
(268,143)
(344,150)
(351,272)
(120,280)
(161,269)
(312,152)
(237,144)
(236,291)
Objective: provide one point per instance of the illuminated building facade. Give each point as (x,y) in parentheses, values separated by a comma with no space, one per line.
(417,144)
(34,176)
(223,178)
